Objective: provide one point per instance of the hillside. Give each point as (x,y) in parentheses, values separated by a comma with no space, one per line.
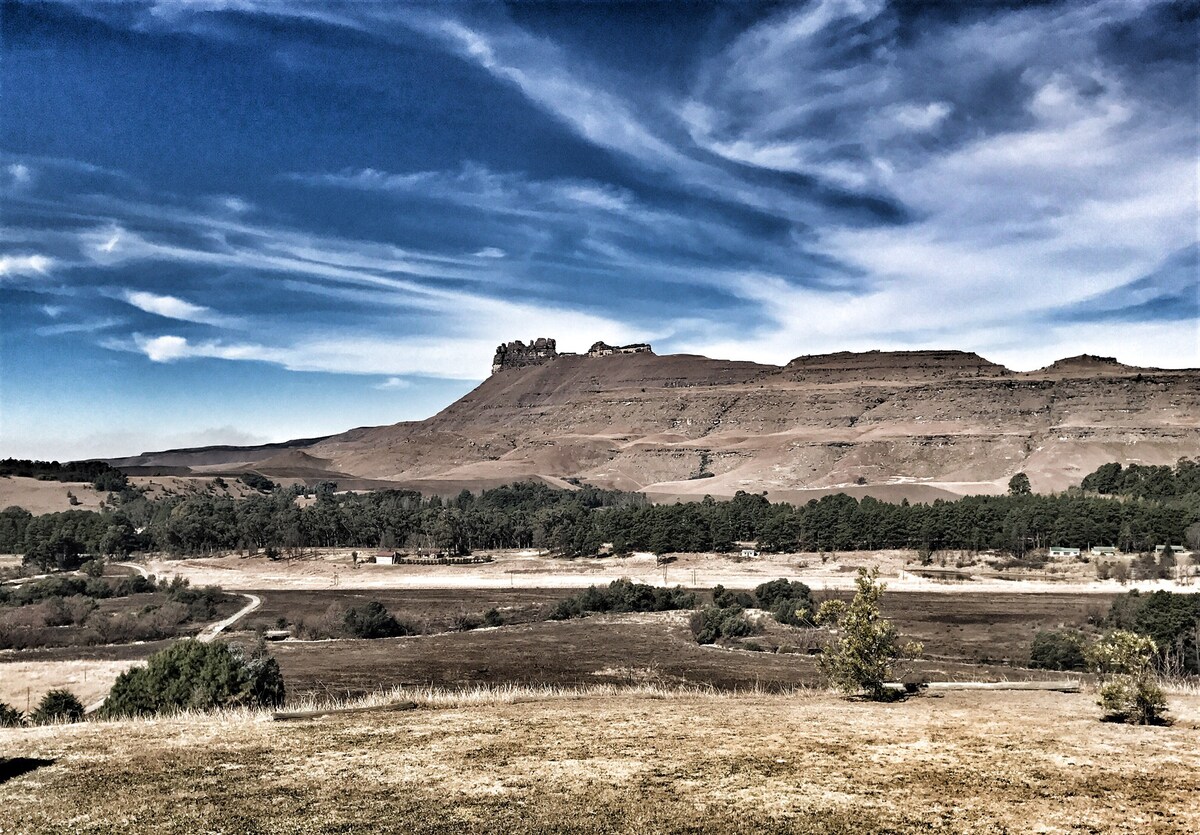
(927,422)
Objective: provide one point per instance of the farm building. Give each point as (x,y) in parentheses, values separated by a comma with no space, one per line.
(1104,551)
(1064,552)
(385,558)
(749,553)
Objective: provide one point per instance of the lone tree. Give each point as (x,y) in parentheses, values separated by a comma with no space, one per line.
(1019,485)
(1128,692)
(861,660)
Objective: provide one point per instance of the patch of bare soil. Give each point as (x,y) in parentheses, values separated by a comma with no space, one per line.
(39,497)
(334,569)
(628,763)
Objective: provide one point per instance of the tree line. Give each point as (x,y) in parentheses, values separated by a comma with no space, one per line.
(101,475)
(578,523)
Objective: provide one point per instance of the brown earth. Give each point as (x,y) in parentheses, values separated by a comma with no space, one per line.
(619,761)
(911,424)
(967,636)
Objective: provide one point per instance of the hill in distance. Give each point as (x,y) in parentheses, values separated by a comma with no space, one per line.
(913,424)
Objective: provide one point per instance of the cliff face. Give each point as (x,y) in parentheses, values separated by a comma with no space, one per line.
(519,355)
(918,424)
(943,419)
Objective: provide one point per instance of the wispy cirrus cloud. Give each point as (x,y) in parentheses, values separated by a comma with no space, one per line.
(393,384)
(170,307)
(746,180)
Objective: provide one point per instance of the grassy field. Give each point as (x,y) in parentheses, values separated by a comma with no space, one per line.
(612,761)
(601,648)
(967,636)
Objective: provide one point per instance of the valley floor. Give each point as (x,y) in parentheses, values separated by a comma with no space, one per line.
(608,760)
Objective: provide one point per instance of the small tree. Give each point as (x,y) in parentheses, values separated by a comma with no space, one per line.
(372,620)
(1019,485)
(192,675)
(1058,651)
(861,660)
(10,717)
(1128,691)
(57,706)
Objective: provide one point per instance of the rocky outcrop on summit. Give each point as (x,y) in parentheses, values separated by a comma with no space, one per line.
(517,354)
(603,349)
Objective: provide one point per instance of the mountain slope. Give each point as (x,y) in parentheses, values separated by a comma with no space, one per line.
(687,425)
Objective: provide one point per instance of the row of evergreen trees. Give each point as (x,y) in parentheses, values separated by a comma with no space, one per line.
(577,523)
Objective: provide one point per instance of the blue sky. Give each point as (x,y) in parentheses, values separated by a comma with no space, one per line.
(240,221)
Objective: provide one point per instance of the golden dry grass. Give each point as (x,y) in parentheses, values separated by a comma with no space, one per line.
(611,760)
(24,683)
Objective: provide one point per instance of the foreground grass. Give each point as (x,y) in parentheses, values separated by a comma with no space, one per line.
(614,760)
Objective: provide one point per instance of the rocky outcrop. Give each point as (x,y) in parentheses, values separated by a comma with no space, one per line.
(891,365)
(603,349)
(517,354)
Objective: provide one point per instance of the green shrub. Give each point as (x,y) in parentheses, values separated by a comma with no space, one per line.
(1063,650)
(713,623)
(723,598)
(10,717)
(192,675)
(372,620)
(623,596)
(492,617)
(1128,690)
(465,622)
(57,706)
(861,659)
(1171,619)
(790,603)
(257,481)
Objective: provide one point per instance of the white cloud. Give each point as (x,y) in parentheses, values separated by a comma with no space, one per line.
(919,118)
(1089,188)
(164,348)
(25,265)
(490,252)
(393,384)
(19,174)
(477,187)
(461,349)
(86,326)
(171,307)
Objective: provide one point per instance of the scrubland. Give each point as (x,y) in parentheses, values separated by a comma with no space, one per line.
(607,759)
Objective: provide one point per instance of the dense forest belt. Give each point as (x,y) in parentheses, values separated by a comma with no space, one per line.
(1147,507)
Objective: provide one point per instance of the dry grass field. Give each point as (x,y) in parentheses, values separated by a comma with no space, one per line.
(656,648)
(637,761)
(513,569)
(966,636)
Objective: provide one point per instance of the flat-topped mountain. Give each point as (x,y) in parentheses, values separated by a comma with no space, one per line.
(917,423)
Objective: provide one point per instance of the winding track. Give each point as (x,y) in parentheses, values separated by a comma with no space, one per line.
(210,632)
(206,635)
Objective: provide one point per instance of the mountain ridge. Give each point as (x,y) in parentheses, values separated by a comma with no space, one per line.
(686,425)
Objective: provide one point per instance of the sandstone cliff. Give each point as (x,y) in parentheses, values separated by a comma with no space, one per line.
(915,423)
